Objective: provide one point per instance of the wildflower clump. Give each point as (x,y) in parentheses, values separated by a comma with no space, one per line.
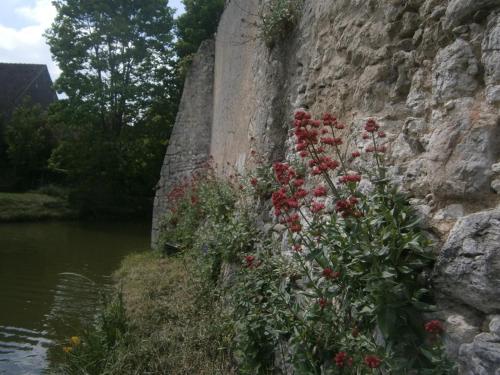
(358,258)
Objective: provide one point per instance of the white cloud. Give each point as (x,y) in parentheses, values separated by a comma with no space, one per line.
(27,44)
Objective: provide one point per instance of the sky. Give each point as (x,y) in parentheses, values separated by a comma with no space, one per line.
(22,25)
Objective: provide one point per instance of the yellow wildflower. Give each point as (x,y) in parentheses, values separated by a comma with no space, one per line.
(75,341)
(67,349)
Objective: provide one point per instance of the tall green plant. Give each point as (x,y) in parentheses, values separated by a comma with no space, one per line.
(355,300)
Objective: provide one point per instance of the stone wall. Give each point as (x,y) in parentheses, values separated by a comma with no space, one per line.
(429,72)
(189,146)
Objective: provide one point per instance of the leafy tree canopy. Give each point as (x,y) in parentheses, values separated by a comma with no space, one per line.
(29,142)
(115,56)
(198,23)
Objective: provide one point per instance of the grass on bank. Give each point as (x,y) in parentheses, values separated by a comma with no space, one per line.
(33,207)
(162,321)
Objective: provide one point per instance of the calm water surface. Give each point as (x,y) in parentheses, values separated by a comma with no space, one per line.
(50,278)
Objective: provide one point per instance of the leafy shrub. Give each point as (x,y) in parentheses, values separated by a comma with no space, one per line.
(277,19)
(357,301)
(201,198)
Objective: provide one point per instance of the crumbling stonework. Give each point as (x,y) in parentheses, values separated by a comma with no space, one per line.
(429,72)
(189,146)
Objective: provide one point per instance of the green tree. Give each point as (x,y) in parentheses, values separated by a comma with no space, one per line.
(117,63)
(197,24)
(115,56)
(29,143)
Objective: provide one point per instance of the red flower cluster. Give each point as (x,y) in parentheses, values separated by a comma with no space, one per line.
(372,361)
(323,164)
(341,359)
(330,274)
(307,132)
(319,191)
(350,178)
(356,154)
(253,181)
(282,202)
(283,172)
(348,207)
(322,302)
(434,326)
(330,120)
(371,126)
(317,207)
(298,182)
(332,141)
(250,259)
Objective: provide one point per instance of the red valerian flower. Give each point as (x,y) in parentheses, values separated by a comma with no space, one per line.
(381,134)
(279,197)
(372,361)
(322,302)
(299,115)
(297,247)
(330,274)
(366,136)
(315,171)
(253,181)
(371,126)
(339,126)
(356,154)
(434,327)
(340,358)
(300,146)
(326,163)
(347,206)
(320,191)
(331,141)
(304,154)
(317,207)
(328,117)
(293,218)
(292,203)
(249,259)
(295,228)
(300,193)
(298,182)
(283,172)
(350,178)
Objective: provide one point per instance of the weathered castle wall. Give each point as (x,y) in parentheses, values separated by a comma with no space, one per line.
(429,72)
(189,146)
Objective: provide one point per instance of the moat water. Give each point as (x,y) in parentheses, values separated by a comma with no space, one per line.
(51,279)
